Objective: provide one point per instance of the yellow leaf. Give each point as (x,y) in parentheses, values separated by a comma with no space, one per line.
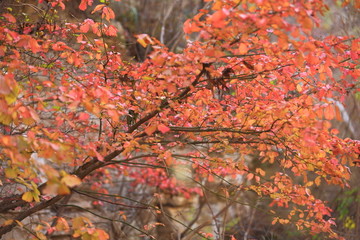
(27,197)
(36,197)
(318,180)
(144,40)
(309,184)
(5,119)
(78,222)
(40,236)
(35,189)
(10,98)
(10,173)
(61,224)
(19,223)
(71,180)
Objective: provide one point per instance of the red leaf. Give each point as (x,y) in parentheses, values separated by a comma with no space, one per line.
(84,3)
(9,17)
(111,31)
(83,116)
(108,13)
(190,27)
(218,18)
(4,87)
(85,26)
(162,128)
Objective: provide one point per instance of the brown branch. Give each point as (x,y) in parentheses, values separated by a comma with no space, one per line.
(229,141)
(193,221)
(9,203)
(199,129)
(7,228)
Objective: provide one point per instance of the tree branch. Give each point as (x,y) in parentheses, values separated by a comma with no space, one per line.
(200,129)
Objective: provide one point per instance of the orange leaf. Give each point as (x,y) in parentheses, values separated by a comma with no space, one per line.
(98,8)
(250,176)
(102,235)
(8,222)
(190,27)
(329,112)
(309,101)
(243,48)
(63,190)
(338,114)
(306,23)
(218,18)
(34,46)
(150,130)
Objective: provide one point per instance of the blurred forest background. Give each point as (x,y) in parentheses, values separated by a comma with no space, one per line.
(163,20)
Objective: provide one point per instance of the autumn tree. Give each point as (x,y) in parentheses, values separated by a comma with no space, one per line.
(247,102)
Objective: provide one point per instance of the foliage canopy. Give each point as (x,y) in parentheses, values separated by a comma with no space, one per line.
(252,83)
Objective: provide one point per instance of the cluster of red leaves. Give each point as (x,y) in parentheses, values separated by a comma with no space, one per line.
(253,83)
